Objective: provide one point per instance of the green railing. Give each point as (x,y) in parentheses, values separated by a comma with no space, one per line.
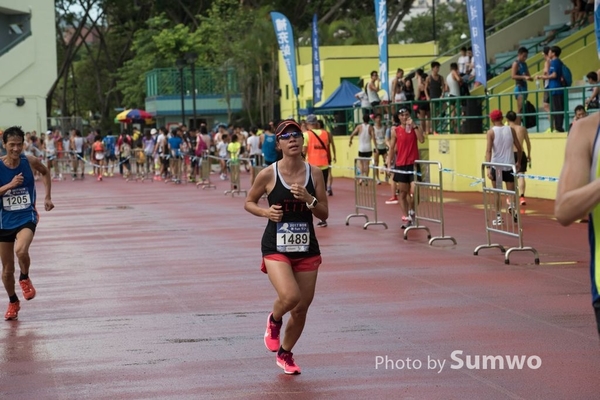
(467,114)
(489,31)
(167,81)
(537,61)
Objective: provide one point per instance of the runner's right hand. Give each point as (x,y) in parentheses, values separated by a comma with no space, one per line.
(17,180)
(275,213)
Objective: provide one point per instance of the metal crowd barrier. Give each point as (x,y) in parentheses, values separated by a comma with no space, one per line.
(234,178)
(365,193)
(429,202)
(502,212)
(205,170)
(258,164)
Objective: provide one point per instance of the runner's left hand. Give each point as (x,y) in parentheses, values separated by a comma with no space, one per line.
(48,205)
(300,192)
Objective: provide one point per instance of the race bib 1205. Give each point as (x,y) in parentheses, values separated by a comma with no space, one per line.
(16,199)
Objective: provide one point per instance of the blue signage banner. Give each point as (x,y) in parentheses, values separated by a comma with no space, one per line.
(597,24)
(285,39)
(475,14)
(381,20)
(316,60)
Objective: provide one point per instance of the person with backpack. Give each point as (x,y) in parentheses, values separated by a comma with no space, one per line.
(559,76)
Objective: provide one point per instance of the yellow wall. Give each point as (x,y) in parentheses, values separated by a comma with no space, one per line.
(346,155)
(339,62)
(465,153)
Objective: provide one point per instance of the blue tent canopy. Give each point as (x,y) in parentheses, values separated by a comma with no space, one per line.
(342,97)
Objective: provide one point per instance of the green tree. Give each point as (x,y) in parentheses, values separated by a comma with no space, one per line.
(450,22)
(221,34)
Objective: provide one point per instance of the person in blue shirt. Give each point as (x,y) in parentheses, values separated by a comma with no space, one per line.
(555,86)
(175,142)
(110,145)
(520,74)
(18,215)
(267,144)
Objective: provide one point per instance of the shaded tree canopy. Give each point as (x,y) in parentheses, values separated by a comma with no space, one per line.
(106,47)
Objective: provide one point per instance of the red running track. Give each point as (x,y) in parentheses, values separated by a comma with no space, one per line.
(147,290)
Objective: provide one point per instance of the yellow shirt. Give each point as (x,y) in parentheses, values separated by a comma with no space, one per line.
(234,150)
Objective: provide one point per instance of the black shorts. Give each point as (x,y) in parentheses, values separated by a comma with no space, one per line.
(325,175)
(546,97)
(10,235)
(589,7)
(404,178)
(523,166)
(424,106)
(382,152)
(507,176)
(111,157)
(80,155)
(365,154)
(375,103)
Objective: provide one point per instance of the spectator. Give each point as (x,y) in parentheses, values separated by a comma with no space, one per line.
(366,142)
(435,87)
(520,73)
(580,113)
(424,109)
(409,93)
(454,82)
(463,61)
(318,147)
(592,102)
(398,87)
(470,76)
(372,90)
(555,86)
(363,98)
(546,97)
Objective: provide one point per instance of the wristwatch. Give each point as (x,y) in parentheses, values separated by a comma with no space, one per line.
(313,204)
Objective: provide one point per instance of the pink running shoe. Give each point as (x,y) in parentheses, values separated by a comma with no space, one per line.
(286,361)
(27,288)
(272,334)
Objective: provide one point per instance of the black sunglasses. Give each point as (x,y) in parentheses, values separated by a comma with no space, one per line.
(288,135)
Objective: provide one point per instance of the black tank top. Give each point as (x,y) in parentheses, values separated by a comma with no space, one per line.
(297,218)
(435,87)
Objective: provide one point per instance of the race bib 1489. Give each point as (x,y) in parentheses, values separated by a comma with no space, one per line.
(293,237)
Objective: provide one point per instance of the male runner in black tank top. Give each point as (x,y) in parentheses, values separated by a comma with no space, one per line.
(291,254)
(435,87)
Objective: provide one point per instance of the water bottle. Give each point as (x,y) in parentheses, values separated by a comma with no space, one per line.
(537,84)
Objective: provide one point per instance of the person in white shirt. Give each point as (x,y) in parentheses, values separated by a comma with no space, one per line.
(364,99)
(373,89)
(366,141)
(462,61)
(500,142)
(453,81)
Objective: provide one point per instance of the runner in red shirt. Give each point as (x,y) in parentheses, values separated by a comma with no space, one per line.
(403,141)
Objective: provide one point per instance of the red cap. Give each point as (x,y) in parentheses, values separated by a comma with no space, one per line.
(496,115)
(284,124)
